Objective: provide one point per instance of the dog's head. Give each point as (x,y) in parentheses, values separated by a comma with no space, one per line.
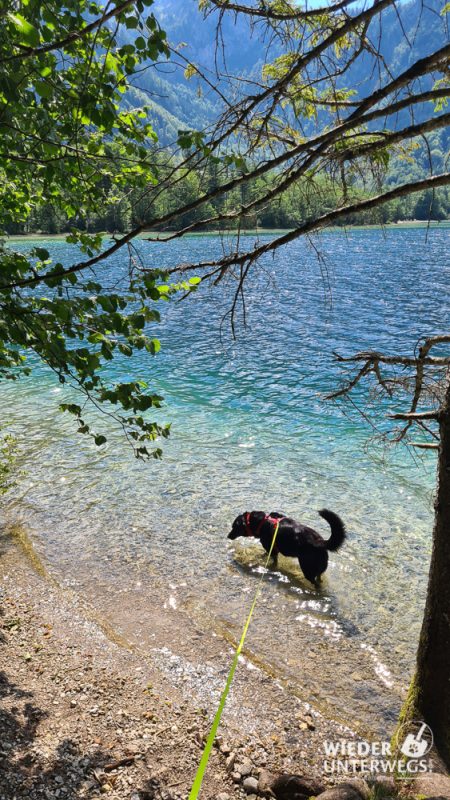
(247,524)
(239,527)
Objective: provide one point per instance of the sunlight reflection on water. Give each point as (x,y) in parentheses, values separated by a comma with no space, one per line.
(250,430)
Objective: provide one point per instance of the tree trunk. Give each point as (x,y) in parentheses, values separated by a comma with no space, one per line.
(431,688)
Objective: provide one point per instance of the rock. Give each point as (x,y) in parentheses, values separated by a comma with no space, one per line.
(386,785)
(306,721)
(351,790)
(284,786)
(229,763)
(250,785)
(223,796)
(431,785)
(245,769)
(190,729)
(236,777)
(362,787)
(265,782)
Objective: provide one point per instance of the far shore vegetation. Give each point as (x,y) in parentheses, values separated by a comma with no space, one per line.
(259,231)
(123,210)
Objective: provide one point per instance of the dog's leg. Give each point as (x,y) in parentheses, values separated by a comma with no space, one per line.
(275,557)
(308,566)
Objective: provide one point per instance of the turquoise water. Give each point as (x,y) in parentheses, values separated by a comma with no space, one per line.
(250,429)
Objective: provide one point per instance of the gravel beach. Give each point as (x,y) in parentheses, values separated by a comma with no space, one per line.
(86,713)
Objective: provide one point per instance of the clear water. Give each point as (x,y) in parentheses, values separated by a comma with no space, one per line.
(250,430)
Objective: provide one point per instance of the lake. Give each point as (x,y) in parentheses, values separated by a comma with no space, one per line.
(251,430)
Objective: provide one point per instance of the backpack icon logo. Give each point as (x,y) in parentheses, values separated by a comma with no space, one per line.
(415,745)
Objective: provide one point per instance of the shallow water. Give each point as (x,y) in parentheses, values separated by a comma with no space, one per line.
(250,430)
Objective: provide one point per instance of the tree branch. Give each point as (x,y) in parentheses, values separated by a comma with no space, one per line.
(416,415)
(323,221)
(28,52)
(268,13)
(420,380)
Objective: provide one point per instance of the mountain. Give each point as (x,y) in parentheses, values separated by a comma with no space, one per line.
(409,31)
(176,102)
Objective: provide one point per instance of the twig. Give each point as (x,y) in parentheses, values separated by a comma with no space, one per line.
(126,761)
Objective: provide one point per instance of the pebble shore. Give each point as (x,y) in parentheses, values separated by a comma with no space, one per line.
(85,714)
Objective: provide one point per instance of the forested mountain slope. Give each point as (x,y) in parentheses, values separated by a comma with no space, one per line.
(410,31)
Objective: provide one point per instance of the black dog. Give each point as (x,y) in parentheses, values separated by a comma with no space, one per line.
(293,539)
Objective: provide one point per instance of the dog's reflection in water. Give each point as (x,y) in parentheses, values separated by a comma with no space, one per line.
(284,574)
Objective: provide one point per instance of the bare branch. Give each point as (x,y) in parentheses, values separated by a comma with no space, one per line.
(420,67)
(416,415)
(380,379)
(407,361)
(419,381)
(351,384)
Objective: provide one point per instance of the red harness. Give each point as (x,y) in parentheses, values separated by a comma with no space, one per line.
(267,518)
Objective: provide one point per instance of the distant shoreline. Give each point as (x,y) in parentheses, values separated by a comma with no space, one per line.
(17,237)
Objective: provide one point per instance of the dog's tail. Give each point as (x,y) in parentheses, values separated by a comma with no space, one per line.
(338,534)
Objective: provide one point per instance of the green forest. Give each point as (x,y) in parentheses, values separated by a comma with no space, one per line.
(119,211)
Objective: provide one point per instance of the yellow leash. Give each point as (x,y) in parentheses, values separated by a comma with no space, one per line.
(196,786)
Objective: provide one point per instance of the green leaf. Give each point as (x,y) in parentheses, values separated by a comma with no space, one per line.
(27,33)
(71,408)
(132,22)
(41,253)
(43,89)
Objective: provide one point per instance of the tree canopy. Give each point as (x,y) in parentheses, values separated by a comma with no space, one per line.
(309,123)
(67,138)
